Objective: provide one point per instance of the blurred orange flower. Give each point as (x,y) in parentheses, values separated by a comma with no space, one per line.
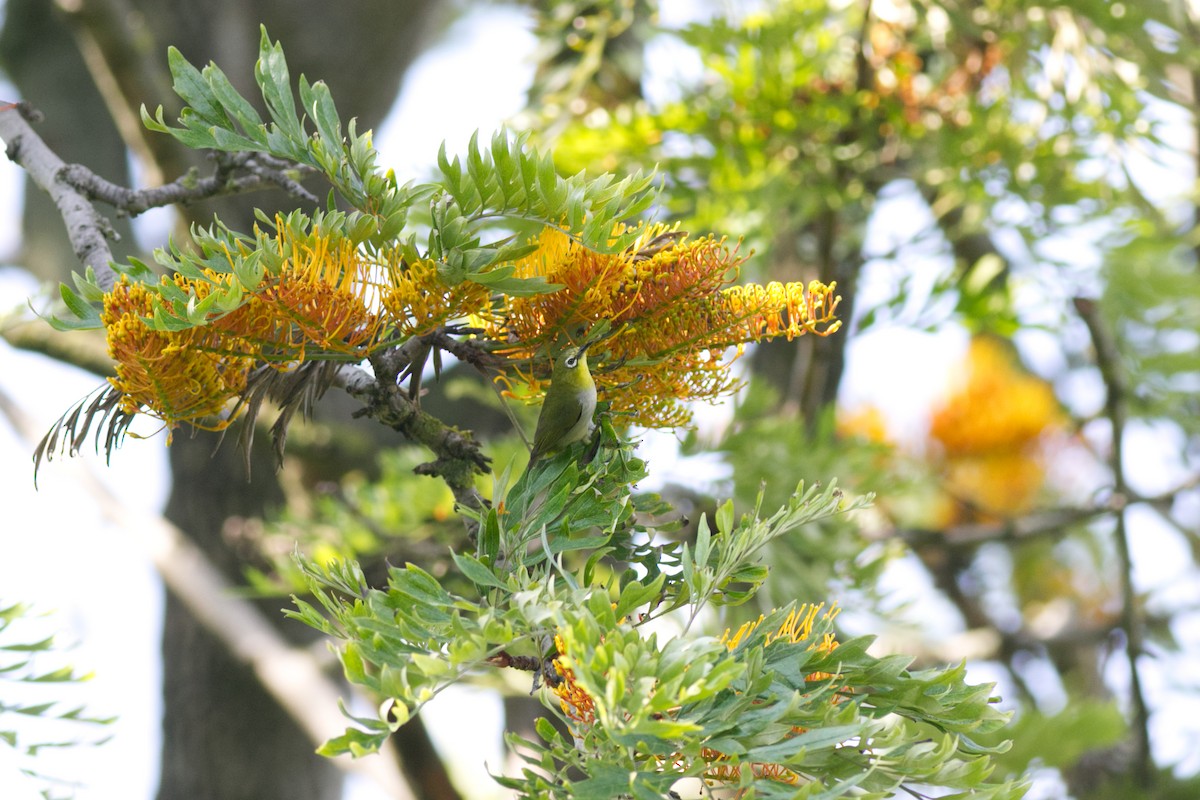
(991,429)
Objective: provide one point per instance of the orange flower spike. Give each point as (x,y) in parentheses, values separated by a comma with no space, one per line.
(175,376)
(575,702)
(320,299)
(796,627)
(742,632)
(673,312)
(416,300)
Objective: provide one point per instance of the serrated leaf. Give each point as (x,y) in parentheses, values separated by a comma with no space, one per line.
(232,142)
(319,105)
(91,292)
(353,742)
(635,595)
(703,542)
(545,729)
(194,139)
(724,517)
(30,647)
(501,280)
(475,259)
(489,535)
(154,122)
(61,675)
(249,272)
(162,320)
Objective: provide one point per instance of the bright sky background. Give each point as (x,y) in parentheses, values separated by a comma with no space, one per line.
(56,553)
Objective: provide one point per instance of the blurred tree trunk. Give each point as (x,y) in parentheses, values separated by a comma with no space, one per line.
(41,58)
(223,736)
(89,66)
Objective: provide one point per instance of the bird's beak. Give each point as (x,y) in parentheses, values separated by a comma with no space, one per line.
(599,332)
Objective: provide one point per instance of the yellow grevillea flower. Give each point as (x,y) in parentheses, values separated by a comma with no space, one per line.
(796,627)
(319,300)
(866,423)
(997,406)
(315,304)
(574,700)
(678,321)
(176,376)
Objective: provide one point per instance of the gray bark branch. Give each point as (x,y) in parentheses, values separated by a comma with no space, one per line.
(88,231)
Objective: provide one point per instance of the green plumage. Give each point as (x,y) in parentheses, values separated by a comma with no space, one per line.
(566,415)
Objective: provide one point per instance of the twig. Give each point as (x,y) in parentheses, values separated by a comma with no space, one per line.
(85,350)
(458,456)
(1048,522)
(237,174)
(1052,522)
(1108,361)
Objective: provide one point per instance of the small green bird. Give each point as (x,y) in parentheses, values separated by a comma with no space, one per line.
(566,415)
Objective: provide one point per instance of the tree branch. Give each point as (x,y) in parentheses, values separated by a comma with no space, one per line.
(88,231)
(86,351)
(1049,522)
(234,174)
(1115,405)
(73,187)
(459,456)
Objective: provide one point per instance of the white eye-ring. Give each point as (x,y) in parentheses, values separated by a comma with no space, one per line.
(571,362)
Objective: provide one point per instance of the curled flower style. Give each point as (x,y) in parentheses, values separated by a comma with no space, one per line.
(796,627)
(416,300)
(319,300)
(678,322)
(780,309)
(180,365)
(722,771)
(184,347)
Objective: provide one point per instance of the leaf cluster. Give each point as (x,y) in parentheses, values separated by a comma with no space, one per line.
(510,184)
(567,576)
(807,117)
